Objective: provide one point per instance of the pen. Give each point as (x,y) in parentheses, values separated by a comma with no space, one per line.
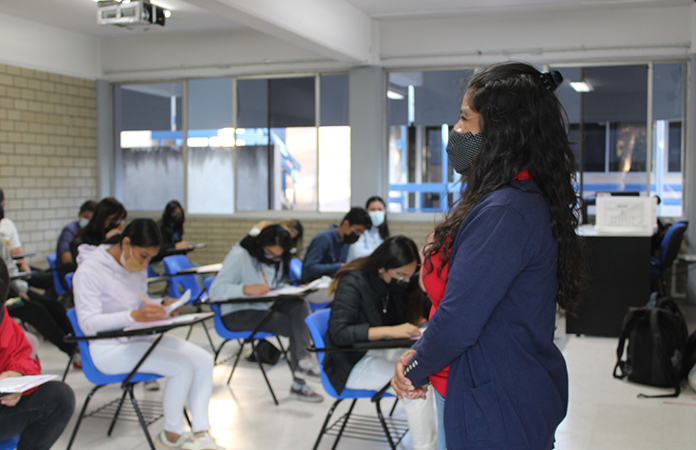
(264,276)
(145,298)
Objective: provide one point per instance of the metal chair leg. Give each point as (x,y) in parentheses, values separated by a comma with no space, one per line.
(236,360)
(326,423)
(82,415)
(219,349)
(263,372)
(118,411)
(396,401)
(345,422)
(141,419)
(67,368)
(384,425)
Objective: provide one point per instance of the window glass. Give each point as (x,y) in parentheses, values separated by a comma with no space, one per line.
(423,107)
(210,142)
(148,121)
(334,145)
(668,117)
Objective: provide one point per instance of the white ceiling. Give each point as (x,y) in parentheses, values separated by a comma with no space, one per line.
(187,16)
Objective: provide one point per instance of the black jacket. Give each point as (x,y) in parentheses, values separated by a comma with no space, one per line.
(354,310)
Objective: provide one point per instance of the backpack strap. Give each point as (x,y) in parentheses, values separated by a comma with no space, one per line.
(628,319)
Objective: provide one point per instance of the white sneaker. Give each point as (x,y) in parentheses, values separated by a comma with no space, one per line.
(202,441)
(162,443)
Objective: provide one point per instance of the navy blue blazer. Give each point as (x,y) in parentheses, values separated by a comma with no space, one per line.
(508,383)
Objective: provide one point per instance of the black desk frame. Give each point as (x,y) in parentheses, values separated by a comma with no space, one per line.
(399,426)
(127,385)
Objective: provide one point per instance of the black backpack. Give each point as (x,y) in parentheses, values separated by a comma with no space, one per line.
(656,338)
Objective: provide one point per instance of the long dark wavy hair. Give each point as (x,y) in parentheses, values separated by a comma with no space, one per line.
(524,127)
(108,215)
(167,224)
(269,236)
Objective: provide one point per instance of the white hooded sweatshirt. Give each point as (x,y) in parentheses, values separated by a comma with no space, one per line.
(105,292)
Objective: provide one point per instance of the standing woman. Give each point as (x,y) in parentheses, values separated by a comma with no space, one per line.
(110,288)
(372,238)
(371,304)
(509,253)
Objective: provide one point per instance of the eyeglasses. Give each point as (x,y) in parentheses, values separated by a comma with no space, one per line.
(399,276)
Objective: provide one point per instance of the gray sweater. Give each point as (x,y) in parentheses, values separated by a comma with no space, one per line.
(240,269)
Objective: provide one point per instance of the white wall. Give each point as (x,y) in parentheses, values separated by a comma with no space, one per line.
(221,53)
(36,46)
(607,34)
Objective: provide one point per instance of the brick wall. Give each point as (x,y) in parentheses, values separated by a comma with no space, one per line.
(48,152)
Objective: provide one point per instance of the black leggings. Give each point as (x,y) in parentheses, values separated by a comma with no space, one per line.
(40,417)
(47,316)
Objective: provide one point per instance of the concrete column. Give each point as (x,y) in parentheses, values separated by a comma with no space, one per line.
(105,139)
(367,119)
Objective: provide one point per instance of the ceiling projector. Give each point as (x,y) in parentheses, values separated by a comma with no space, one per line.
(128,13)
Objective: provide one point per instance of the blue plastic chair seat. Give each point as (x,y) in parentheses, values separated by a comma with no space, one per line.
(10,444)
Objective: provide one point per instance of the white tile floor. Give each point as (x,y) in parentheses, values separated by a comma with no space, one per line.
(604,413)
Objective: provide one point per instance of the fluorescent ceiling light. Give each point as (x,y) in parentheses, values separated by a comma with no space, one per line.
(581,86)
(394,95)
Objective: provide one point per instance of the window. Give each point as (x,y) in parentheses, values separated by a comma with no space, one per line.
(608,128)
(423,107)
(250,144)
(148,131)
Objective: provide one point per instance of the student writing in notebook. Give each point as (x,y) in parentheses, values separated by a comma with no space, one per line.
(110,288)
(254,267)
(38,415)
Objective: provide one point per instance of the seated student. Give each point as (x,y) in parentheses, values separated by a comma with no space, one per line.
(292,226)
(110,286)
(64,260)
(369,305)
(107,221)
(372,238)
(172,227)
(253,267)
(8,233)
(328,250)
(45,314)
(38,415)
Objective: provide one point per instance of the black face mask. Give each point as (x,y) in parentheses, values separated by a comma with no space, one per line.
(351,238)
(462,149)
(397,285)
(178,219)
(111,226)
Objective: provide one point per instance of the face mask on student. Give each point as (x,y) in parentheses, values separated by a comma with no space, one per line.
(271,257)
(111,226)
(83,222)
(178,219)
(377,217)
(397,285)
(351,238)
(131,264)
(462,149)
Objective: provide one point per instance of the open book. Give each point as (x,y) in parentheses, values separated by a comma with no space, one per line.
(11,385)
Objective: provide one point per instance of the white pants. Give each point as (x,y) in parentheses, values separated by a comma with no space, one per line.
(376,369)
(188,368)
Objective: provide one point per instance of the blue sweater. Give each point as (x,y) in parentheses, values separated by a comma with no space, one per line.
(508,383)
(325,254)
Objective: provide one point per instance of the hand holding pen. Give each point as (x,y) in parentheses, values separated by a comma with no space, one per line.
(149,312)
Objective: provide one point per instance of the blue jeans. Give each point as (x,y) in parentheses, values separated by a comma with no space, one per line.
(440,403)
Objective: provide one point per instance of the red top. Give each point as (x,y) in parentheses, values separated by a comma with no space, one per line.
(435,287)
(15,350)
